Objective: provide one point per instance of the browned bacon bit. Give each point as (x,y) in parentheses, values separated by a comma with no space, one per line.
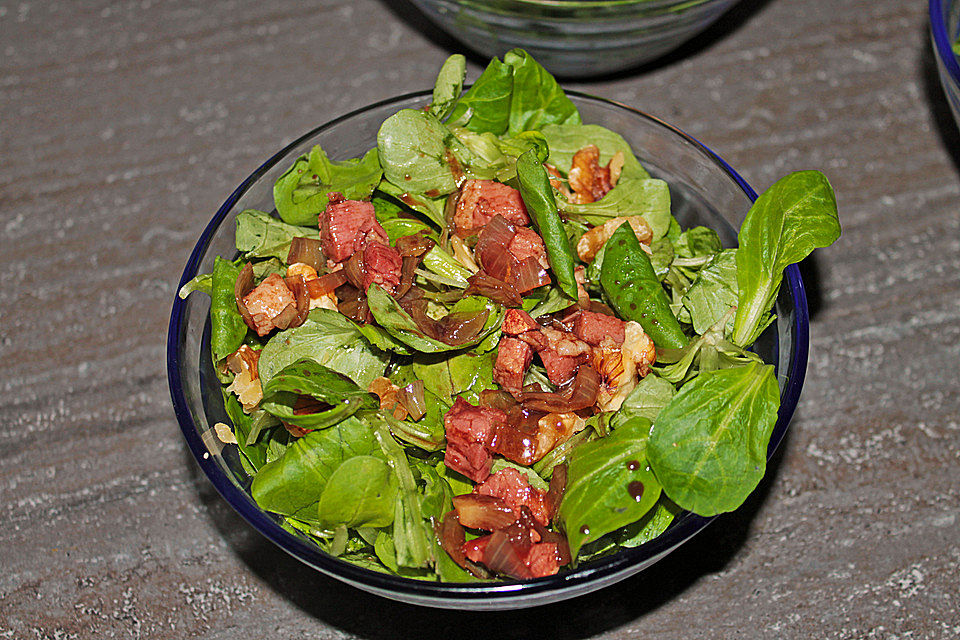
(517,321)
(513,358)
(563,354)
(527,244)
(381,265)
(480,200)
(265,302)
(347,227)
(588,180)
(593,327)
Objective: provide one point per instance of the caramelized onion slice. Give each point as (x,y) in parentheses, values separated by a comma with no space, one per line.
(581,394)
(412,398)
(307,251)
(461,327)
(242,287)
(529,275)
(353,269)
(497,290)
(503,556)
(326,283)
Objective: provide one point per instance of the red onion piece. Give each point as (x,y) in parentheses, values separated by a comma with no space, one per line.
(461,327)
(558,484)
(451,535)
(242,287)
(353,269)
(408,269)
(302,297)
(307,251)
(413,400)
(530,274)
(483,512)
(414,246)
(497,290)
(495,399)
(326,283)
(579,395)
(503,556)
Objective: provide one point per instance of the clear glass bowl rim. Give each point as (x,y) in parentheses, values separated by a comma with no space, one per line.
(559,5)
(941,39)
(407,588)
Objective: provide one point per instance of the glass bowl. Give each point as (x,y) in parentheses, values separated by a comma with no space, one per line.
(576,38)
(944,30)
(705,190)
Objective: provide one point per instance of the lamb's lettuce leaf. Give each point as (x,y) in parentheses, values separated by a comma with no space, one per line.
(300,194)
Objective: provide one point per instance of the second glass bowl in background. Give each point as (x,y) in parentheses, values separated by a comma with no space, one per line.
(576,38)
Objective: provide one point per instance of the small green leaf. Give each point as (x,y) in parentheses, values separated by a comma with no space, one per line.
(300,194)
(537,195)
(448,85)
(360,493)
(227,328)
(634,290)
(796,215)
(260,235)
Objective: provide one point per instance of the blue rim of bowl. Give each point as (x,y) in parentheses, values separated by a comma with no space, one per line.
(505,592)
(941,39)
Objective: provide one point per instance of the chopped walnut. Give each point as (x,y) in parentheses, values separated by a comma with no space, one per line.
(588,180)
(590,242)
(246,381)
(637,355)
(387,392)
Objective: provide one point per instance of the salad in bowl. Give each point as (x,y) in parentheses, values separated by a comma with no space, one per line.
(487,350)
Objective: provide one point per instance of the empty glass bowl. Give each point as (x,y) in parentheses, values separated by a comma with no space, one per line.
(705,190)
(576,38)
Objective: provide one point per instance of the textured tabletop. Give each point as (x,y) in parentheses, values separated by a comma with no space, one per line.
(126,124)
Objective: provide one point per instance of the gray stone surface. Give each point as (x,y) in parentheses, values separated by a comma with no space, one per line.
(125,124)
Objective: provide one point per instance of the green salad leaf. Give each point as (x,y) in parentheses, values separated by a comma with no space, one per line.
(327,338)
(300,194)
(538,197)
(709,444)
(634,289)
(260,235)
(293,484)
(796,215)
(227,328)
(609,484)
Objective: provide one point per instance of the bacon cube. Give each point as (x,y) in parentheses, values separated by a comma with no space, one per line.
(592,327)
(381,265)
(513,358)
(348,226)
(481,200)
(266,301)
